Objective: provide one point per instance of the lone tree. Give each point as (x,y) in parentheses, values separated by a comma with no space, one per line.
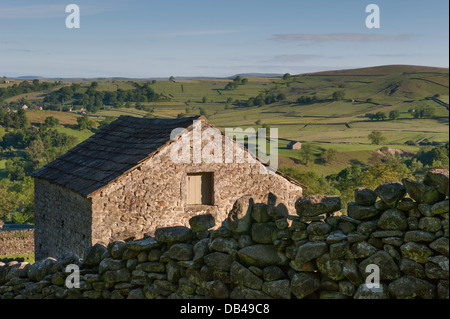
(50,122)
(380,116)
(339,95)
(394,115)
(84,123)
(306,153)
(377,138)
(329,155)
(287,76)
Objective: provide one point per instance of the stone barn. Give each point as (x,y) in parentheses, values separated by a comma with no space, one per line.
(294,145)
(123,182)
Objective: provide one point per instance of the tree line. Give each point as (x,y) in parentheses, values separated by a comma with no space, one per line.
(93,99)
(26,87)
(26,148)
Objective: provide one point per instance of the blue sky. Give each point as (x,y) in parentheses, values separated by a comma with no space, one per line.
(217,38)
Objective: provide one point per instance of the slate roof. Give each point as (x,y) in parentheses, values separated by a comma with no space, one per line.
(110,153)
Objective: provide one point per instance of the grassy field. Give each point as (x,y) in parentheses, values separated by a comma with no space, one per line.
(65,118)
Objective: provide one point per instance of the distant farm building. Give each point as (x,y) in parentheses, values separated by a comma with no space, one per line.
(294,145)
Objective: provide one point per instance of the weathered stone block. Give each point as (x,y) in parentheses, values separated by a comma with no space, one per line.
(361,212)
(365,196)
(416,252)
(303,285)
(310,251)
(173,234)
(408,287)
(240,275)
(279,289)
(422,193)
(239,218)
(393,219)
(201,223)
(391,193)
(438,178)
(314,205)
(261,256)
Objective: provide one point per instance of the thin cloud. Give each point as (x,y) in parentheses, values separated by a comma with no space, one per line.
(193,33)
(47,11)
(294,57)
(341,37)
(401,55)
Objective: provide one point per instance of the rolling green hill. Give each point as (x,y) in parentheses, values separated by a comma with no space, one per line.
(343,124)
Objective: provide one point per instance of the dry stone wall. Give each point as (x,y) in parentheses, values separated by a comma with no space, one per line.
(16,242)
(262,251)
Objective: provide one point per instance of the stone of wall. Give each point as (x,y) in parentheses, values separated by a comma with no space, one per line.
(16,242)
(262,251)
(63,220)
(154,195)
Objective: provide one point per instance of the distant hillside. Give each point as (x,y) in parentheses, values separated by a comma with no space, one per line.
(257,75)
(303,107)
(382,70)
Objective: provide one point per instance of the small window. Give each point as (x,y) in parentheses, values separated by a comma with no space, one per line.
(200,189)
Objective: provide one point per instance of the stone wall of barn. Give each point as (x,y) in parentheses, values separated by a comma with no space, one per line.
(262,252)
(154,195)
(63,220)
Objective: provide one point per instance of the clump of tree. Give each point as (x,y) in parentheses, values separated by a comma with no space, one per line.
(328,156)
(50,122)
(26,87)
(93,99)
(377,138)
(307,99)
(434,156)
(394,115)
(16,120)
(17,200)
(338,95)
(379,116)
(424,112)
(85,123)
(263,99)
(238,80)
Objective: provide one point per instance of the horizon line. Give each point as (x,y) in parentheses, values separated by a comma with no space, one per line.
(256,74)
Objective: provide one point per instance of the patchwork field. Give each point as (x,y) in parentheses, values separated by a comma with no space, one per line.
(327,123)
